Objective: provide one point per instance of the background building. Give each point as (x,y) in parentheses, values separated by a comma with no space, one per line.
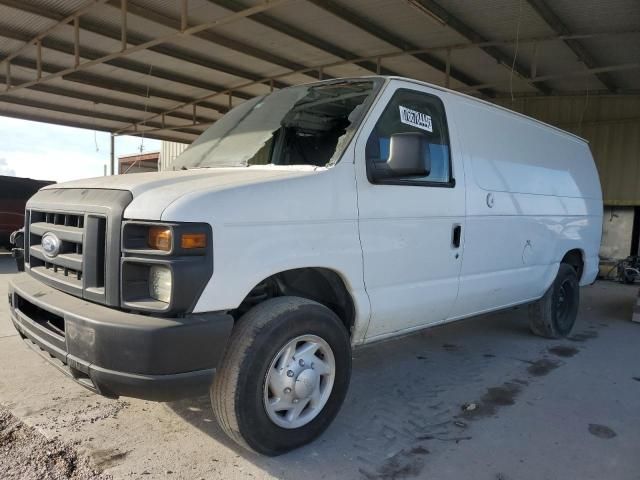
(139,162)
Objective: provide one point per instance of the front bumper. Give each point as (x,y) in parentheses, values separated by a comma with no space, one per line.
(117,353)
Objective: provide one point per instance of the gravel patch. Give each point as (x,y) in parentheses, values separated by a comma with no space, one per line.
(26,454)
(75,418)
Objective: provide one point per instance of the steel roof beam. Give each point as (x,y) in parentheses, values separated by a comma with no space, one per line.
(436,11)
(24,102)
(109,83)
(574,93)
(174,52)
(112,102)
(142,92)
(575,73)
(209,36)
(391,38)
(144,132)
(302,36)
(125,64)
(479,87)
(471,89)
(71,123)
(558,26)
(61,20)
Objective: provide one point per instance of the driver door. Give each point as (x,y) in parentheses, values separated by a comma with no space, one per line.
(411,228)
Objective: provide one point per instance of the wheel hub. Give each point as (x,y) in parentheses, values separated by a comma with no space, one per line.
(563,307)
(299,381)
(307,381)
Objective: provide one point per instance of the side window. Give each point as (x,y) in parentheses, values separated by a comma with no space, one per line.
(412,111)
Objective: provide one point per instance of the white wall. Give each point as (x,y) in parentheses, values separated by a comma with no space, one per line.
(168,153)
(617,228)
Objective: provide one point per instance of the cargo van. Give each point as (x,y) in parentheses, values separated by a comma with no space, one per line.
(301,225)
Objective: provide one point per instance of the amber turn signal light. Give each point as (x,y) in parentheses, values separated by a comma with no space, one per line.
(159,238)
(193,240)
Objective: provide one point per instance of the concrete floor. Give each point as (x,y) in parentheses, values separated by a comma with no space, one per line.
(545,409)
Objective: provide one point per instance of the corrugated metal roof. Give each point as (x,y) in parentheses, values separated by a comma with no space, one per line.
(300,34)
(598,15)
(407,22)
(7,46)
(23,22)
(66,7)
(498,19)
(337,31)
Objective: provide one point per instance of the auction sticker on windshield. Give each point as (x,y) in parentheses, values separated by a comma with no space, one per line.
(416,119)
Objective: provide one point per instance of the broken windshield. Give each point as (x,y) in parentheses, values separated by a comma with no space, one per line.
(303,125)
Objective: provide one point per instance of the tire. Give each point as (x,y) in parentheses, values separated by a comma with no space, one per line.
(554,315)
(241,391)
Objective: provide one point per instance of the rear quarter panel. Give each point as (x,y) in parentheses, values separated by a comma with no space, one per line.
(533,194)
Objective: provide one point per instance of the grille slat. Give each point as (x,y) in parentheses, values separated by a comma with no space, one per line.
(57,274)
(68,260)
(63,232)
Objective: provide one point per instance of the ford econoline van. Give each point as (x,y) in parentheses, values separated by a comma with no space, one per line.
(301,225)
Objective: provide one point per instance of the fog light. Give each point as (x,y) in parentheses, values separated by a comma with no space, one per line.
(160,283)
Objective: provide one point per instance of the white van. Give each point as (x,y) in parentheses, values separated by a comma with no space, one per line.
(301,225)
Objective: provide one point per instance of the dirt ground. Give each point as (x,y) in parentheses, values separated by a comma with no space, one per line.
(27,454)
(478,399)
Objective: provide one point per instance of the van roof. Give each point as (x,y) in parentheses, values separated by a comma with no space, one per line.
(468,97)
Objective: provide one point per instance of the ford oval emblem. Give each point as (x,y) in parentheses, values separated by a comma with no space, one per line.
(50,244)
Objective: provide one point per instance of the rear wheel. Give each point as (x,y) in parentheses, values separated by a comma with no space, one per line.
(284,376)
(554,315)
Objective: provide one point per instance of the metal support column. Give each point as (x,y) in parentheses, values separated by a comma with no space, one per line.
(113,155)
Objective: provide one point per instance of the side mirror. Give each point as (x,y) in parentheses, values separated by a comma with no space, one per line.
(408,156)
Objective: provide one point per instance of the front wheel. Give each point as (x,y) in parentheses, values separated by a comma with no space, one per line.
(284,375)
(554,315)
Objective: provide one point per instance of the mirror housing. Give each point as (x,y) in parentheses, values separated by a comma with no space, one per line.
(408,156)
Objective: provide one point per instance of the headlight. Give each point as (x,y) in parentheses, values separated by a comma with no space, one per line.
(159,238)
(165,266)
(160,283)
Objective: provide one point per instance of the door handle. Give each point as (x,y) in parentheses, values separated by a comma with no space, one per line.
(455,237)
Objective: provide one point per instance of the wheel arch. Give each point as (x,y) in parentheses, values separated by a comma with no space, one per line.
(320,284)
(575,258)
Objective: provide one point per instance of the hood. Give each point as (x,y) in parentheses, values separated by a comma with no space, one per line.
(155,191)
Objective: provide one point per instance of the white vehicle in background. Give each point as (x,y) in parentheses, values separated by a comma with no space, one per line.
(301,225)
